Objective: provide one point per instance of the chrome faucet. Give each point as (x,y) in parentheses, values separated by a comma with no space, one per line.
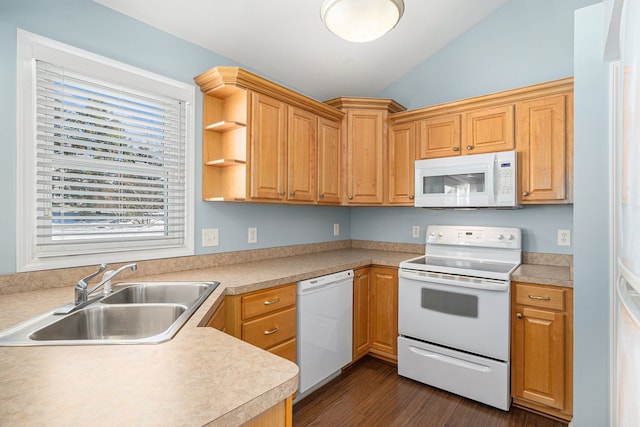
(82,293)
(105,279)
(82,285)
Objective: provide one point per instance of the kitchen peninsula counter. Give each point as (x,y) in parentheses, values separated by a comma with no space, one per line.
(200,377)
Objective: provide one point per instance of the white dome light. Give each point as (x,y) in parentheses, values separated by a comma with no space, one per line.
(361,20)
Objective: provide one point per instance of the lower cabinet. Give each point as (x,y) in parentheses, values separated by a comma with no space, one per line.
(383,313)
(281,414)
(217,319)
(361,279)
(266,319)
(542,349)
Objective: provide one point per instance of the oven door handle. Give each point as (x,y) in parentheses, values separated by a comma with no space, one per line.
(449,360)
(483,284)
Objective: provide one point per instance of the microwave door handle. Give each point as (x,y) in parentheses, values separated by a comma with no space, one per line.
(492,185)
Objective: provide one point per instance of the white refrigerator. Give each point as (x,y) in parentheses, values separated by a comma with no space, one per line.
(626,307)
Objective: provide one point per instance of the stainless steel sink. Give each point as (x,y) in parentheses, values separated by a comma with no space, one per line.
(139,313)
(112,322)
(154,293)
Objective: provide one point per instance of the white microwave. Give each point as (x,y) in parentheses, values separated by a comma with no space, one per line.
(475,181)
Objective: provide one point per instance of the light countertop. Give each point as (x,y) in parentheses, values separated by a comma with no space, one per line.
(201,377)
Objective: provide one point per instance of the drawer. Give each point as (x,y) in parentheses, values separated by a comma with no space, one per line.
(268,301)
(538,296)
(272,329)
(286,350)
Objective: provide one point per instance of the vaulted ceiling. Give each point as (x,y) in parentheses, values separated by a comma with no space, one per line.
(287,41)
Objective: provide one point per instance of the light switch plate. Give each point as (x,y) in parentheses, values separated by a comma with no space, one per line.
(336,229)
(415,231)
(253,235)
(209,237)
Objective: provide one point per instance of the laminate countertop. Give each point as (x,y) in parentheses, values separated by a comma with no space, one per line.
(200,377)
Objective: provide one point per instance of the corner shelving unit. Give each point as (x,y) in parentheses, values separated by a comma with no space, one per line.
(224,144)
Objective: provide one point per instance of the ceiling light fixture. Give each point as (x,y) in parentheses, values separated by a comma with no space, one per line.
(361,20)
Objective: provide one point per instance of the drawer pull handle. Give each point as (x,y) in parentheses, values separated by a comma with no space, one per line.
(273,301)
(272,331)
(540,298)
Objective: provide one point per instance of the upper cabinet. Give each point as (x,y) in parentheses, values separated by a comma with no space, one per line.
(401,164)
(265,143)
(536,121)
(261,141)
(545,148)
(364,130)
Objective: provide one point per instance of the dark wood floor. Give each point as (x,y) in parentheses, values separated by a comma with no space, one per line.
(371,393)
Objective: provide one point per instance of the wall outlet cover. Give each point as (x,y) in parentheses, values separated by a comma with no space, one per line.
(564,237)
(253,235)
(336,229)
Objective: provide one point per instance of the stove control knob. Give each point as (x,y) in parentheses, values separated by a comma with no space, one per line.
(432,234)
(501,237)
(440,234)
(511,237)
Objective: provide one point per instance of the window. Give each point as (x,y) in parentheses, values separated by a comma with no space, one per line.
(104,159)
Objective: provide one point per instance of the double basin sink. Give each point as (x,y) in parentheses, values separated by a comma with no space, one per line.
(138,313)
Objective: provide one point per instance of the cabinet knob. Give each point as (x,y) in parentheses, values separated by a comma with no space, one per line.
(469,147)
(293,193)
(350,197)
(322,196)
(525,193)
(282,193)
(410,197)
(456,148)
(519,315)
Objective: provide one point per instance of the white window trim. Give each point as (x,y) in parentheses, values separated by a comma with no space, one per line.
(31,46)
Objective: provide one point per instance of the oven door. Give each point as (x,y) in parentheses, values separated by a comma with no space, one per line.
(461,312)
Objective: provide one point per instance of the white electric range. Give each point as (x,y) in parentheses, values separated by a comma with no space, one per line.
(454,311)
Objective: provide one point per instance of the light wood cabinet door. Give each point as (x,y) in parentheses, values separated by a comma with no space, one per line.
(365,154)
(329,170)
(384,313)
(542,335)
(439,137)
(545,148)
(401,164)
(539,353)
(488,130)
(268,148)
(301,143)
(361,312)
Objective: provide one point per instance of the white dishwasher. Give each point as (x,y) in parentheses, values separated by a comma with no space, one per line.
(324,322)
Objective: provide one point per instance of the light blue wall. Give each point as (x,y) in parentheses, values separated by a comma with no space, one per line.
(90,26)
(522,43)
(591,223)
(539,225)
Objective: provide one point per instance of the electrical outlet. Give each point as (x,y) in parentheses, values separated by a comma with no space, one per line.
(564,237)
(336,229)
(253,235)
(416,231)
(209,237)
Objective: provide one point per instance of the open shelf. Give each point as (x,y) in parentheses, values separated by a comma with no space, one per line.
(225,126)
(221,163)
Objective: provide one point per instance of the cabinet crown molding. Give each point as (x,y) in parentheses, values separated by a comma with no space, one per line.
(366,104)
(224,81)
(498,98)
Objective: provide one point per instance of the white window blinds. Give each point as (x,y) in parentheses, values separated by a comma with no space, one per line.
(110,165)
